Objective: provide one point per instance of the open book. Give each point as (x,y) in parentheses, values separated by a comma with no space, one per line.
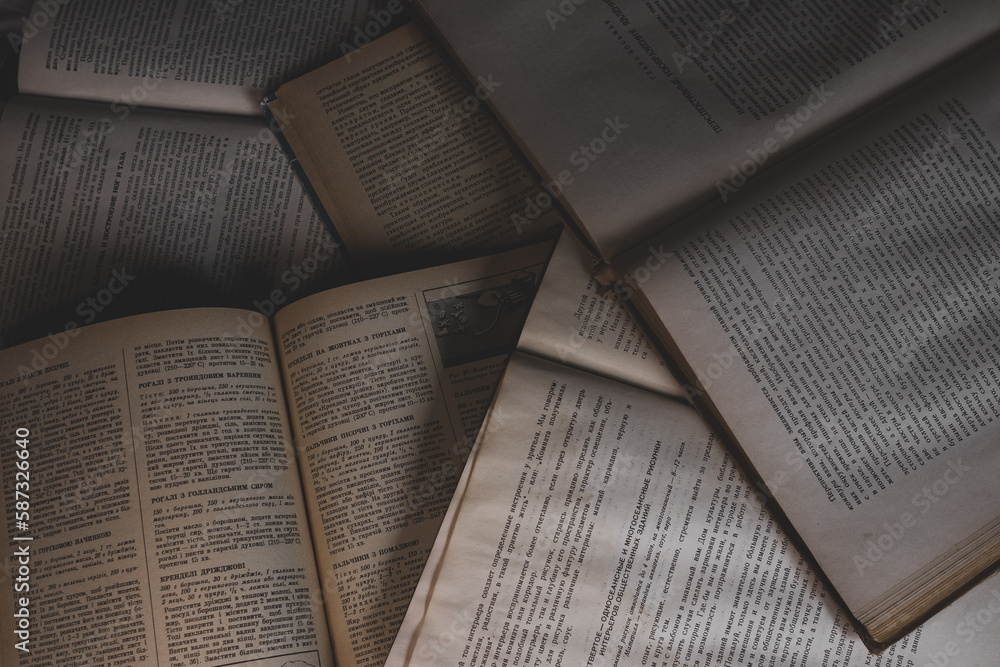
(831,307)
(600,523)
(114,205)
(407,163)
(221,56)
(165,506)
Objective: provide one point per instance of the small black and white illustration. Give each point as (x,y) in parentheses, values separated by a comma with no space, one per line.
(480,319)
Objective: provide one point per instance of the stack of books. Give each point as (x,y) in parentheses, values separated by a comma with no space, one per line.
(739,413)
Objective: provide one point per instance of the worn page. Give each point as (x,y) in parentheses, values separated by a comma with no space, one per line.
(853,296)
(389,381)
(603,525)
(221,56)
(105,215)
(576,321)
(644,111)
(153,509)
(405,160)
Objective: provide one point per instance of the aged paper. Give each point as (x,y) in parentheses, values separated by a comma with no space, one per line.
(604,525)
(163,521)
(645,112)
(107,215)
(576,321)
(852,297)
(389,381)
(406,161)
(221,56)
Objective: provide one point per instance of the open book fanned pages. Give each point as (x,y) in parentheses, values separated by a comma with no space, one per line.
(831,300)
(407,163)
(599,522)
(208,487)
(115,205)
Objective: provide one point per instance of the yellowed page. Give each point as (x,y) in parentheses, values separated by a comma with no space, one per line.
(405,160)
(577,322)
(221,56)
(414,618)
(852,299)
(652,109)
(105,216)
(389,382)
(160,518)
(633,539)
